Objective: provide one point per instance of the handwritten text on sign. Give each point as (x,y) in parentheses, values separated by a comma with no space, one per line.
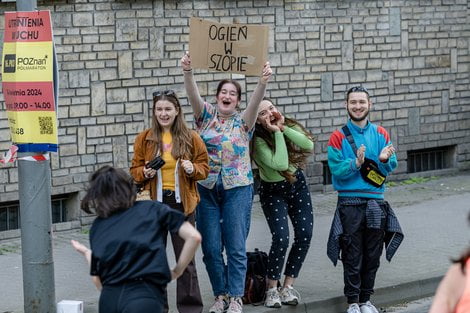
(234,48)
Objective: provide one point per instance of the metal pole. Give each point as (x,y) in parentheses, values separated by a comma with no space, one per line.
(34,183)
(36,231)
(26,5)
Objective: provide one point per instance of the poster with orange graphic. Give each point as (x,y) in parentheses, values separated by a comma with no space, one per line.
(28,80)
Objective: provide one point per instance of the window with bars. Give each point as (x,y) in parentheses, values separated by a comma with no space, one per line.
(9,217)
(430,159)
(59,210)
(10,213)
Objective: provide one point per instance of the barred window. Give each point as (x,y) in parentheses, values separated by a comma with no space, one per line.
(430,159)
(10,212)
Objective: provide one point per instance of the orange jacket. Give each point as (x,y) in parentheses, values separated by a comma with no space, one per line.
(144,147)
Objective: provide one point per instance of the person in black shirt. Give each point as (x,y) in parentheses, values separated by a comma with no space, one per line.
(128,257)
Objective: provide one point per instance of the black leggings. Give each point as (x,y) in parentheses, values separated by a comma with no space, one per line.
(132,297)
(280,201)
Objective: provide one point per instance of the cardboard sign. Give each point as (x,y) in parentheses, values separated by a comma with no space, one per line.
(232,48)
(28,85)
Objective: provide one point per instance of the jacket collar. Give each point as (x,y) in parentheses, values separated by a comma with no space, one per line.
(354,128)
(149,135)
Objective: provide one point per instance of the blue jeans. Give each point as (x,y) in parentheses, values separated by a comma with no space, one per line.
(223,219)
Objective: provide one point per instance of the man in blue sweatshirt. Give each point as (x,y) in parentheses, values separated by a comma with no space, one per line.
(360,157)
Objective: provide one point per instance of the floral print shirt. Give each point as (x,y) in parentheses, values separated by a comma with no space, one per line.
(227,142)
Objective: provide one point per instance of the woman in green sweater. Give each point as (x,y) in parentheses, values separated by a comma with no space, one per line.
(280,146)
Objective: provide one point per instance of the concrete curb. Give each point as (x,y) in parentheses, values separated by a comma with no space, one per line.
(406,292)
(383,297)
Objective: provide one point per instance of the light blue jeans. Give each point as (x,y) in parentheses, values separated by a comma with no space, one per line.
(223,219)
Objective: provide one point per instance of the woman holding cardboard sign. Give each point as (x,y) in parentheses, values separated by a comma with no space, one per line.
(223,214)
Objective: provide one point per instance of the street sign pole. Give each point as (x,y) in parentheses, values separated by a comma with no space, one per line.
(34,183)
(26,5)
(34,180)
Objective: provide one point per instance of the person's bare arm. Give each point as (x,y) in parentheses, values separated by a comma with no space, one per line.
(449,291)
(190,85)
(251,112)
(192,239)
(82,249)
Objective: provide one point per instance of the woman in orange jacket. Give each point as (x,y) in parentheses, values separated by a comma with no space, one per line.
(185,161)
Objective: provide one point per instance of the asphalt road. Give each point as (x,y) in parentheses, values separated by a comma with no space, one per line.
(440,203)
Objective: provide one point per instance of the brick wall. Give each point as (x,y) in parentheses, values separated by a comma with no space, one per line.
(413,56)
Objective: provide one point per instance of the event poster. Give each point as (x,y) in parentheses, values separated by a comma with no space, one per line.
(28,80)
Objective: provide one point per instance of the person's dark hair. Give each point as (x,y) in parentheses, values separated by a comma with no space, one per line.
(297,156)
(357,89)
(230,81)
(464,257)
(182,142)
(111,190)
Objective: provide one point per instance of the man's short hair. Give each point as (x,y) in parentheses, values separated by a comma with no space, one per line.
(357,89)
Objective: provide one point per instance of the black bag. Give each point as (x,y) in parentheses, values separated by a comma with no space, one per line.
(255,282)
(371,174)
(156,163)
(369,169)
(144,194)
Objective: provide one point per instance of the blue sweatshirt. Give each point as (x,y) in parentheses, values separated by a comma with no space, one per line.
(347,179)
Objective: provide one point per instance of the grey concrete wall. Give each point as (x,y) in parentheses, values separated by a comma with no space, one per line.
(412,55)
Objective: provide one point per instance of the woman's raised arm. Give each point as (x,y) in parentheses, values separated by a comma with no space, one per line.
(190,85)
(251,112)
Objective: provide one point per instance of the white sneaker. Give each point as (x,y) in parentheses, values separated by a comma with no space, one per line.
(289,296)
(368,308)
(354,308)
(235,306)
(272,298)
(220,305)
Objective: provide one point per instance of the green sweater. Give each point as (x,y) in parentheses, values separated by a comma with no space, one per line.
(271,163)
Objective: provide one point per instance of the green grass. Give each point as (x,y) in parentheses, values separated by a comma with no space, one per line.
(417,180)
(8,249)
(410,181)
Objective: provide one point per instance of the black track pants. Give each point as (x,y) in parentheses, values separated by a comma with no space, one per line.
(361,249)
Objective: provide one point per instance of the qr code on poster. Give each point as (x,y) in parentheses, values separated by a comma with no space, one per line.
(46,127)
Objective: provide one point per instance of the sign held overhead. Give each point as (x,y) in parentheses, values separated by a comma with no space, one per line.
(231,48)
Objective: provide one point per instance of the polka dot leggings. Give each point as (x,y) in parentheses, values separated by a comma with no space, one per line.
(281,200)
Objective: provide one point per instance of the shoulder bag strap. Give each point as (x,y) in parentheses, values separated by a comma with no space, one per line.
(349,137)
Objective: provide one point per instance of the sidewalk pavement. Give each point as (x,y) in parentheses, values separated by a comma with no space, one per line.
(433,216)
